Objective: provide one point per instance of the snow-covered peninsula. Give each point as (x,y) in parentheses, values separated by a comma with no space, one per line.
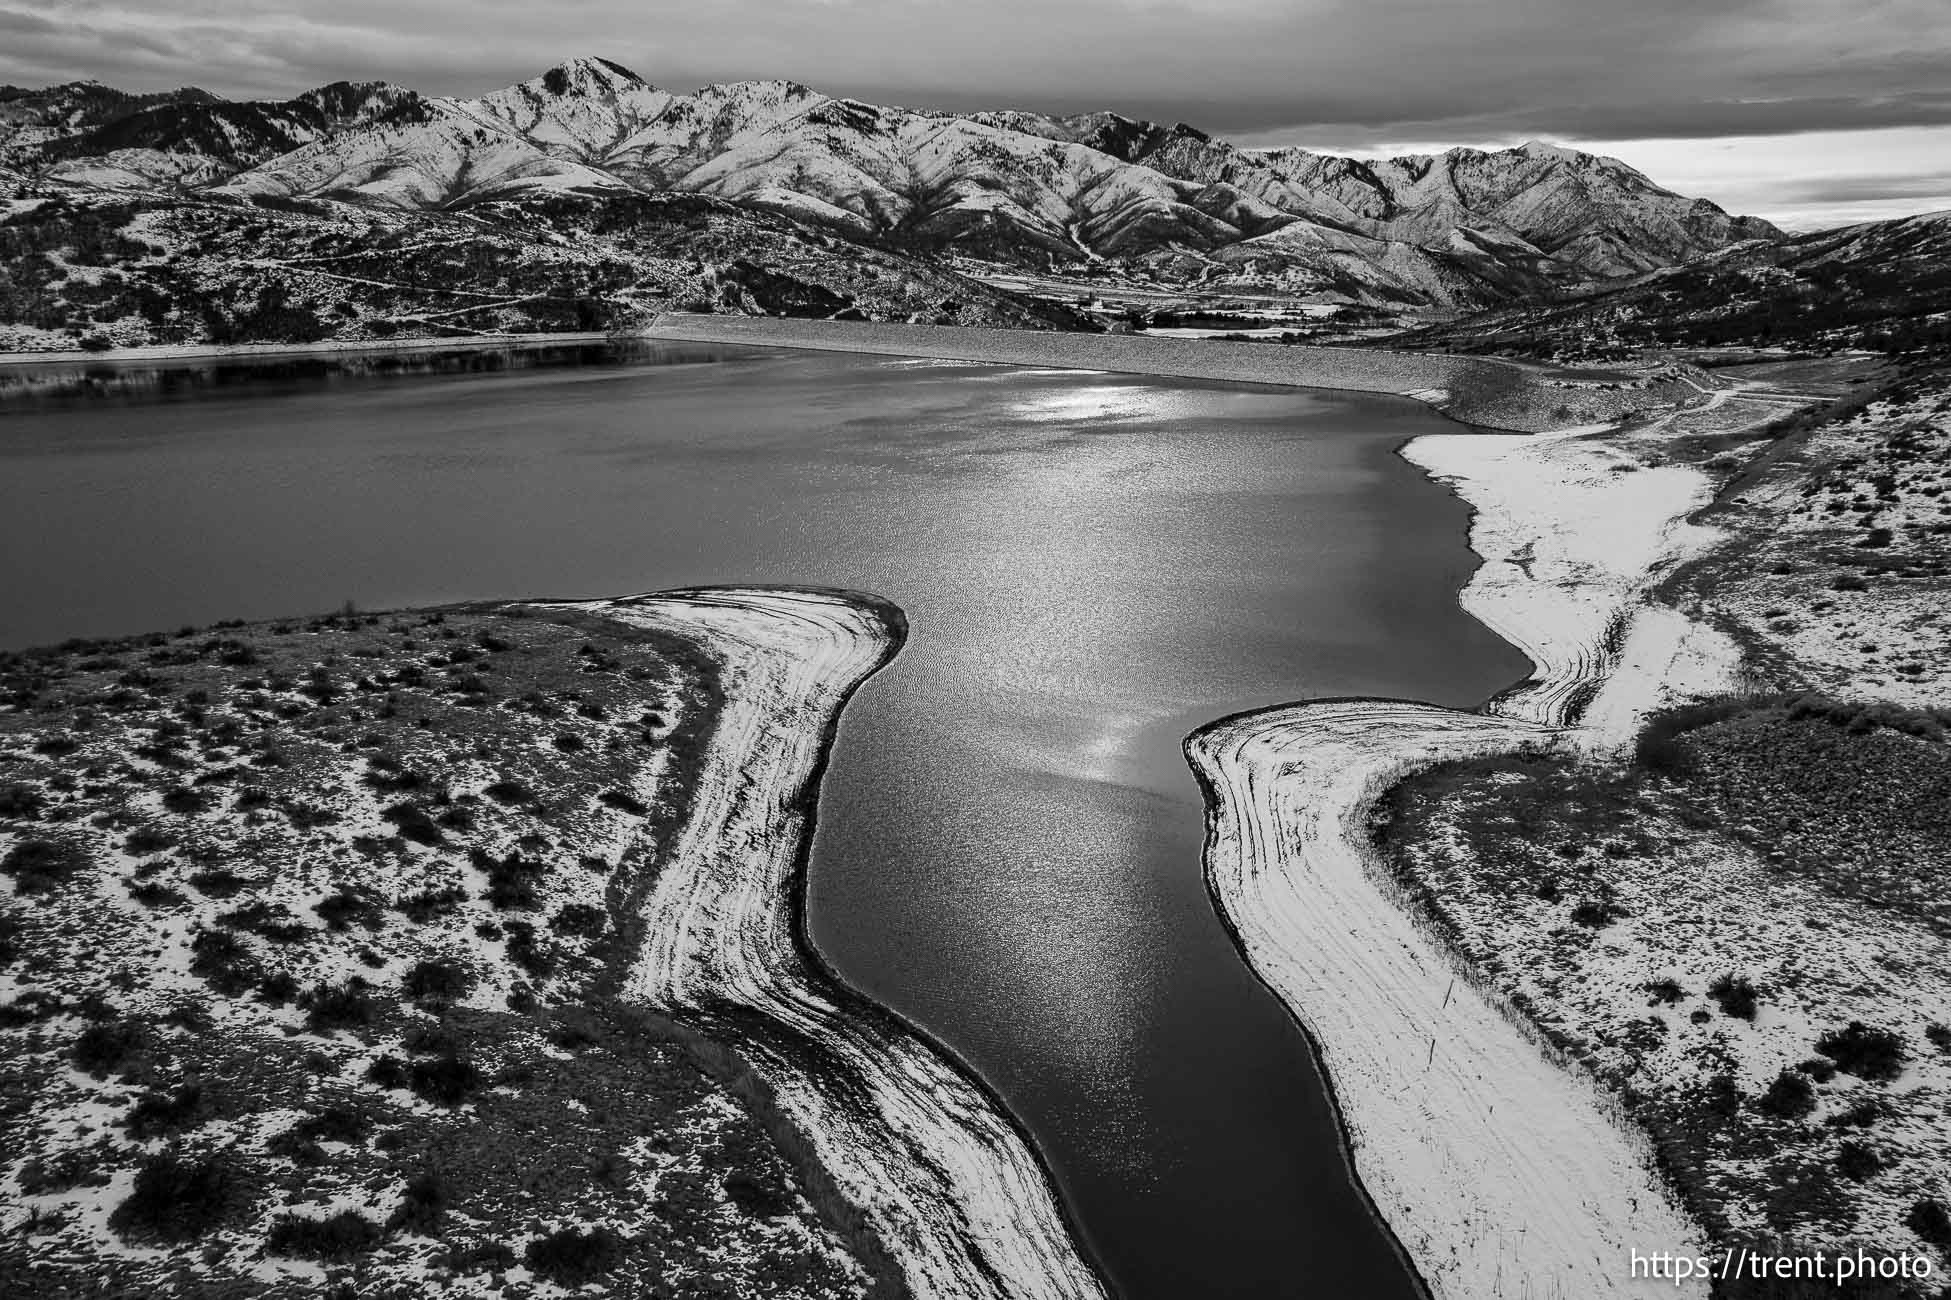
(951,1185)
(1500,1171)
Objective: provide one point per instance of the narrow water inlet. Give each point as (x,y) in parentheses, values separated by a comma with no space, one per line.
(1092,566)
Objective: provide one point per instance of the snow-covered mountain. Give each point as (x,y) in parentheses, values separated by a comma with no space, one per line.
(80,105)
(1462,228)
(1587,214)
(914,179)
(206,141)
(1883,285)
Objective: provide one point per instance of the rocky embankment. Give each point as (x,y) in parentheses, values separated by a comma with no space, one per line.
(950,1185)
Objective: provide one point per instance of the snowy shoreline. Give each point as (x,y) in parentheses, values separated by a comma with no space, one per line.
(949,1182)
(1500,1168)
(191,352)
(1489,392)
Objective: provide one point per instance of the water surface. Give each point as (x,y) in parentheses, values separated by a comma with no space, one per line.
(1008,851)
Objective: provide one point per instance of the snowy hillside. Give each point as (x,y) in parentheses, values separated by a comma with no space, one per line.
(97,272)
(200,142)
(1882,284)
(1573,214)
(1465,228)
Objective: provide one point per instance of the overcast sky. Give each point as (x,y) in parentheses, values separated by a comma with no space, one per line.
(1806,111)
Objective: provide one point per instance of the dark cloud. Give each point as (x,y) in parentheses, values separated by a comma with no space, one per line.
(12,20)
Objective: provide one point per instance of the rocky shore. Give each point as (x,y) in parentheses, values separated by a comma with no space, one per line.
(1501,1169)
(950,1185)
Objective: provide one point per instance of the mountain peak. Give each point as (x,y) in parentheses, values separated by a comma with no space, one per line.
(581,76)
(1540,149)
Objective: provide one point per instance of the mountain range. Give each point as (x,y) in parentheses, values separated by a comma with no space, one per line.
(1462,229)
(1884,285)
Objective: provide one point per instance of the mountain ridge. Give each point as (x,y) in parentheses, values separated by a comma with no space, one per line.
(1882,285)
(1458,230)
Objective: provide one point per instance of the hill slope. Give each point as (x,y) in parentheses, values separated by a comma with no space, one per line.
(101,271)
(205,141)
(1461,229)
(1588,214)
(1882,284)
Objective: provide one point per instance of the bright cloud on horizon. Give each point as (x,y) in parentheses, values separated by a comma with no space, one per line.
(1808,112)
(1807,181)
(1804,182)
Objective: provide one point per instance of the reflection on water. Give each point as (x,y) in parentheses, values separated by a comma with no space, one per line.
(1092,566)
(112,377)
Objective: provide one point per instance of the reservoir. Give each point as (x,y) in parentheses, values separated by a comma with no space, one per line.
(1008,848)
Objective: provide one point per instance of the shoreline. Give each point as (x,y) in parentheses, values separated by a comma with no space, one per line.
(951,1184)
(192,352)
(1484,392)
(875,1017)
(1570,542)
(564,841)
(1488,393)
